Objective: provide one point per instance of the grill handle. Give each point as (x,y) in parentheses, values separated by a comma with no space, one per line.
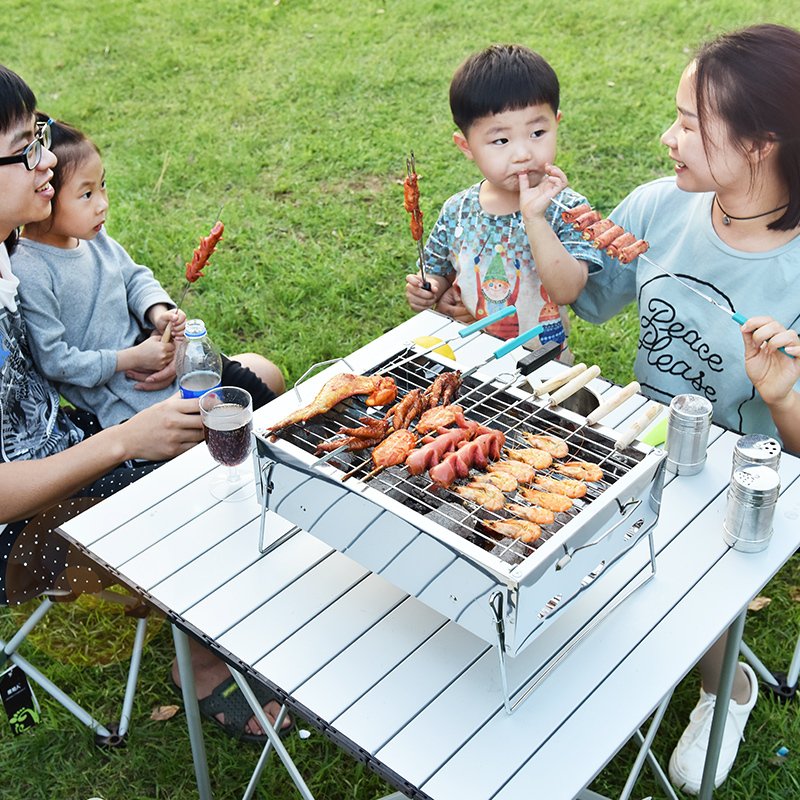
(650,413)
(627,510)
(486,321)
(538,358)
(516,342)
(615,402)
(506,349)
(569,389)
(558,380)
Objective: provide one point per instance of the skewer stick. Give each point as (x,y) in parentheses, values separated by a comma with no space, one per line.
(411,172)
(367,477)
(737,317)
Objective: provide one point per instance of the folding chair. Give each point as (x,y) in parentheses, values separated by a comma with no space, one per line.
(76,575)
(782,684)
(112,734)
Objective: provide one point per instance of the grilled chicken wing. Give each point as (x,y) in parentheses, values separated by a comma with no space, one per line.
(407,410)
(524,473)
(538,459)
(581,470)
(537,514)
(552,444)
(485,495)
(515,528)
(380,390)
(550,500)
(394,449)
(566,486)
(440,417)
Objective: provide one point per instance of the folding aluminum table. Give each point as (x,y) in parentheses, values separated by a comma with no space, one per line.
(399,686)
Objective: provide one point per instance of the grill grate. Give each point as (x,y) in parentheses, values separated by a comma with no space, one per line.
(492,405)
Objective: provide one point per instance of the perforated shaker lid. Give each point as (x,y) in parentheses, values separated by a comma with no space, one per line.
(756,448)
(690,412)
(755,484)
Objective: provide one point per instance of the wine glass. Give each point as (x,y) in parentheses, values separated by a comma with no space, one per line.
(227,414)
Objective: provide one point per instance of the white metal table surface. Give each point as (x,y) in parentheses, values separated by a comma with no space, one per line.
(402,687)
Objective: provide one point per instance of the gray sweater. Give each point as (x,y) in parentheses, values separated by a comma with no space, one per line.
(81,306)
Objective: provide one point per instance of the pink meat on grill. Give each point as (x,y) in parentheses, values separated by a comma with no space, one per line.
(477,453)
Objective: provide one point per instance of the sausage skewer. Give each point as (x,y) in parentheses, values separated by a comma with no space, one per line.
(626,248)
(411,202)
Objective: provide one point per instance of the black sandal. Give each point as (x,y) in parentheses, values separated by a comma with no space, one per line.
(228,699)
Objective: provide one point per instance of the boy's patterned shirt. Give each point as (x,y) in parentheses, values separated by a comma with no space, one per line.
(492,260)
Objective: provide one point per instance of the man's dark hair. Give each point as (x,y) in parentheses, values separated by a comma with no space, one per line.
(503,77)
(17,104)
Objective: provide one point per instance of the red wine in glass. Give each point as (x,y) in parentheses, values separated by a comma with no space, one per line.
(227,429)
(227,414)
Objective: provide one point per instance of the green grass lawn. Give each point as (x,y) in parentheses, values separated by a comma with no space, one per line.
(297,116)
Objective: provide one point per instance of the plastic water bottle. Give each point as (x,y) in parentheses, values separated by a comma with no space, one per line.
(198,363)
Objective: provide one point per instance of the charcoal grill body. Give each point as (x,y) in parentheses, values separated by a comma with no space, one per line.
(433,549)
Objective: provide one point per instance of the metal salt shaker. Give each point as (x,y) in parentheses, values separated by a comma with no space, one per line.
(756,448)
(688,425)
(751,507)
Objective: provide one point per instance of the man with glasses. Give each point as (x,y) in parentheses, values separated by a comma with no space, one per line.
(31,154)
(45,457)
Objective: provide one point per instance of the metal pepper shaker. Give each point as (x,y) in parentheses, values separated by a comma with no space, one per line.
(756,448)
(688,426)
(752,496)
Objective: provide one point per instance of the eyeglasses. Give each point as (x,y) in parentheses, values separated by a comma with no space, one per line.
(32,154)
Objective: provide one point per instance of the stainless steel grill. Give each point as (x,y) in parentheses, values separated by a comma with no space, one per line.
(428,540)
(491,405)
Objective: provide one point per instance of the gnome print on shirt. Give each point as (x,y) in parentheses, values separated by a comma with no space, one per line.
(495,293)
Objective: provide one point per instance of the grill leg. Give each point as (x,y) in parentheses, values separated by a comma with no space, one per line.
(496,603)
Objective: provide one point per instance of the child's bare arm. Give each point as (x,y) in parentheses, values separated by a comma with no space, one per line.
(418,298)
(774,374)
(562,275)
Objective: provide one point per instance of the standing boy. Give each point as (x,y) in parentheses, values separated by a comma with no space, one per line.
(505,102)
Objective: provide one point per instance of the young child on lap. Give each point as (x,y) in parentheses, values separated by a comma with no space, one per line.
(87,305)
(505,102)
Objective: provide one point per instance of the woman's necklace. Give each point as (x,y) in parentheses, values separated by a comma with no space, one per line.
(726,217)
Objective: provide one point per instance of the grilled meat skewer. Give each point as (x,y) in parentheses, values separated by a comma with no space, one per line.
(441,417)
(515,529)
(566,486)
(533,456)
(379,389)
(394,449)
(550,500)
(537,514)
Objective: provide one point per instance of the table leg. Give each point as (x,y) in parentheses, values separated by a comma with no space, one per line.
(192,712)
(272,734)
(727,674)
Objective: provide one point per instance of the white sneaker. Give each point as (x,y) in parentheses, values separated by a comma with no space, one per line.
(688,757)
